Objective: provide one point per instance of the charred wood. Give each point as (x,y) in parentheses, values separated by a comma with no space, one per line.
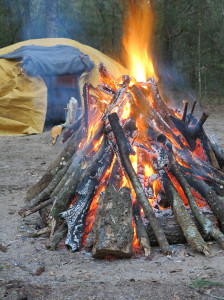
(191,113)
(216,203)
(185,111)
(141,232)
(89,181)
(106,77)
(208,227)
(124,152)
(183,218)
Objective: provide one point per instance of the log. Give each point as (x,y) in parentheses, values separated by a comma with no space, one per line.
(216,203)
(208,227)
(89,181)
(113,234)
(124,152)
(69,149)
(141,232)
(60,233)
(172,229)
(183,218)
(36,208)
(106,77)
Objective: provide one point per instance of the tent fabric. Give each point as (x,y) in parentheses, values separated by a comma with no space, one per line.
(57,60)
(23,98)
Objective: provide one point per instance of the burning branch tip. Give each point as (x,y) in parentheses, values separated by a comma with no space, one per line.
(201,122)
(185,111)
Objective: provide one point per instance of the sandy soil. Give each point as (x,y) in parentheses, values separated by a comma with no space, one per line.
(70,275)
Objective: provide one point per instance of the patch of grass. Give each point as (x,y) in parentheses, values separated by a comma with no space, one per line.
(200,283)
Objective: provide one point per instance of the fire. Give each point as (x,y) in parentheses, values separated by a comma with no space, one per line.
(136,54)
(137,33)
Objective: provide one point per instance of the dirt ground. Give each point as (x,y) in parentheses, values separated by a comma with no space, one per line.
(68,275)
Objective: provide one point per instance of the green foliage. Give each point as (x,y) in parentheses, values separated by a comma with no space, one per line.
(179,27)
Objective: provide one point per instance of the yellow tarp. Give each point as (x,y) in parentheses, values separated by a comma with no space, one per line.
(23,99)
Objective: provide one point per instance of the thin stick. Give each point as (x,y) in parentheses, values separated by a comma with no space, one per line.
(36,208)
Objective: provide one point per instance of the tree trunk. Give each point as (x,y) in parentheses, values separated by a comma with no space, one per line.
(199,51)
(51,9)
(27,19)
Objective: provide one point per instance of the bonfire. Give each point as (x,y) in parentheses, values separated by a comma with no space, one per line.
(128,161)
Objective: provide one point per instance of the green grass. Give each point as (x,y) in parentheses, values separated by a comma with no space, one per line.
(199,283)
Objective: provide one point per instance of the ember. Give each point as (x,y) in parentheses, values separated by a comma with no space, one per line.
(131,157)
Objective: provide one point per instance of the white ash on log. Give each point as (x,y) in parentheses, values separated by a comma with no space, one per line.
(75,215)
(121,142)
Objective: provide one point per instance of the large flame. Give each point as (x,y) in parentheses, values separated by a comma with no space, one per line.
(138,27)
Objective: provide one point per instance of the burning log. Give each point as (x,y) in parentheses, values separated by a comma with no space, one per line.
(113,232)
(207,225)
(216,203)
(174,163)
(124,152)
(142,235)
(85,190)
(183,218)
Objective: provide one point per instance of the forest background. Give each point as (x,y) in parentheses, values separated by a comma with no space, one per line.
(187,43)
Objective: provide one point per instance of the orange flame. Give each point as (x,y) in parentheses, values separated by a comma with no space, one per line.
(137,33)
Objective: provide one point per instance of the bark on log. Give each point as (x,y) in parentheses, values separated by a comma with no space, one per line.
(208,227)
(141,232)
(60,233)
(89,181)
(113,234)
(56,165)
(183,218)
(172,229)
(36,208)
(216,203)
(124,152)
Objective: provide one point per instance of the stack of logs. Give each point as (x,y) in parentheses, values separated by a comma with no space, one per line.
(186,164)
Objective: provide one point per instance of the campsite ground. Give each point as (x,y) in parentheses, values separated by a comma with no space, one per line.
(67,275)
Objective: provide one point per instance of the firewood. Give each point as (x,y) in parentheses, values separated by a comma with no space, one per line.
(106,77)
(42,231)
(46,192)
(149,111)
(66,189)
(60,233)
(117,99)
(207,225)
(172,229)
(124,155)
(218,154)
(69,149)
(216,203)
(36,208)
(191,113)
(116,175)
(89,181)
(185,111)
(141,232)
(113,234)
(183,218)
